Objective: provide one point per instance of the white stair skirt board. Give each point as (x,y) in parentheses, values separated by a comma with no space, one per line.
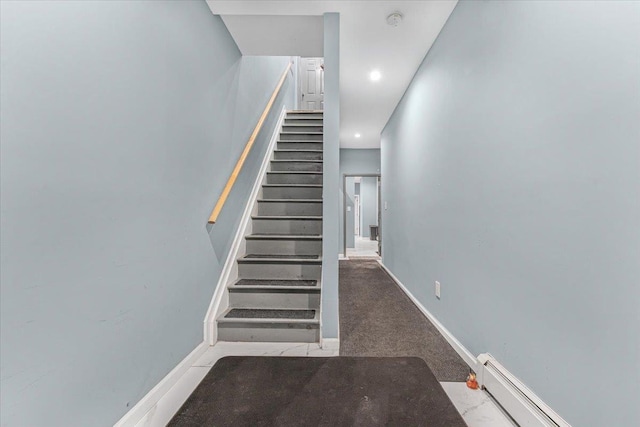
(149,402)
(160,405)
(220,300)
(527,409)
(518,400)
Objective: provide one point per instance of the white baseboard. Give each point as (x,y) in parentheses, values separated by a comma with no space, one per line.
(330,344)
(465,354)
(220,300)
(149,401)
(521,403)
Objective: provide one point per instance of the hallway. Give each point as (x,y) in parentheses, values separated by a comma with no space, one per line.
(364,247)
(378,319)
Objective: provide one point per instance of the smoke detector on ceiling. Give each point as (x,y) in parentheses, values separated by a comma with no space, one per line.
(394,19)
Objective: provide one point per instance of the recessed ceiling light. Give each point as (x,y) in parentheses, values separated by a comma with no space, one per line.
(357,135)
(375,75)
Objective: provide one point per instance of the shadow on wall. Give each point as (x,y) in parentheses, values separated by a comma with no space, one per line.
(246,84)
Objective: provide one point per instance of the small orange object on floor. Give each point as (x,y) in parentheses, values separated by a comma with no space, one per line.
(471,381)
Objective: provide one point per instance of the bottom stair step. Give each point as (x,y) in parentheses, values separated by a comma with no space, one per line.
(269,325)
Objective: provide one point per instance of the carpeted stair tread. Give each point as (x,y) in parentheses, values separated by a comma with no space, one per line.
(290,200)
(293,185)
(260,313)
(272,282)
(289,217)
(267,236)
(296,172)
(275,256)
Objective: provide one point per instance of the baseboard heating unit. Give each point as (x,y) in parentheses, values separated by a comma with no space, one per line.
(527,409)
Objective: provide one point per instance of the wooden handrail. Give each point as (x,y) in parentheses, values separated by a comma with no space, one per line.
(247,148)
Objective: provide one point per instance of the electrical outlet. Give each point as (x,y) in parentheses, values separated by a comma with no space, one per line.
(385,206)
(437,289)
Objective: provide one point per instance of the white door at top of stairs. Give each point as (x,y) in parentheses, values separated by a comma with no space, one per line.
(312,83)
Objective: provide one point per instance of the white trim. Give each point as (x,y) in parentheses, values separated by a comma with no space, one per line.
(332,344)
(150,400)
(518,400)
(465,354)
(522,404)
(220,300)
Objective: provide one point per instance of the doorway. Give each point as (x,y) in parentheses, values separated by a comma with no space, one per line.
(311,74)
(361,216)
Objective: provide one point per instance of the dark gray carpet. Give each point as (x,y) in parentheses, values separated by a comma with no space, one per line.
(378,319)
(338,391)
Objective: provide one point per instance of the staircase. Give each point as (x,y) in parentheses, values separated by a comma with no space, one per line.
(277,295)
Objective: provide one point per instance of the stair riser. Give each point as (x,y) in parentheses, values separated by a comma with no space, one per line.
(301,155)
(299,145)
(294,178)
(296,166)
(274,299)
(292,192)
(286,226)
(304,116)
(302,121)
(284,247)
(289,209)
(287,332)
(279,271)
(300,137)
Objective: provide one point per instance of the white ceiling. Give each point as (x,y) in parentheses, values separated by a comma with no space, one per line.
(366,43)
(277,35)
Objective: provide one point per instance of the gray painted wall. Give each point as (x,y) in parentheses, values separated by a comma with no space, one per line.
(331,176)
(120,124)
(355,161)
(514,156)
(369,205)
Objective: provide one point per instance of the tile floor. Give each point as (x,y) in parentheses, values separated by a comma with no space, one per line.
(363,247)
(169,404)
(476,406)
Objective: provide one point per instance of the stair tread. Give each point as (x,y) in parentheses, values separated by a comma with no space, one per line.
(285,217)
(264,313)
(303,124)
(302,133)
(291,150)
(296,160)
(301,140)
(277,256)
(293,185)
(268,236)
(291,200)
(276,282)
(280,259)
(300,172)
